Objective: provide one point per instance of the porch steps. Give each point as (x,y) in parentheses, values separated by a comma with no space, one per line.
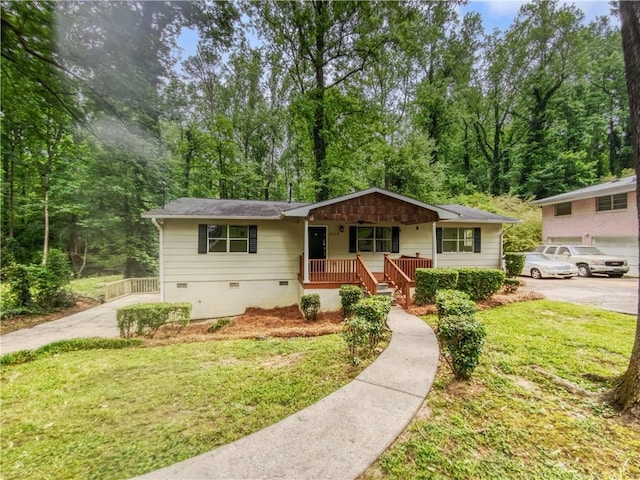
(385,289)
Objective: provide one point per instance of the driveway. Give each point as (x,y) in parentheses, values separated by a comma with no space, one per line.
(98,321)
(616,294)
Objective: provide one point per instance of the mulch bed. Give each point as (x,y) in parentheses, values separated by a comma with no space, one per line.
(258,323)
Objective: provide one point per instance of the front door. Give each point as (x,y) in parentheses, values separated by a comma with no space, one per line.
(317,243)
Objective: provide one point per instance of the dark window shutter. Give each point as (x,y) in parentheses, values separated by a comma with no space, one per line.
(439,240)
(203,239)
(477,247)
(395,239)
(353,239)
(253,239)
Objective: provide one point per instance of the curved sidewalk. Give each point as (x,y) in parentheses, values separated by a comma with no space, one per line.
(342,434)
(98,321)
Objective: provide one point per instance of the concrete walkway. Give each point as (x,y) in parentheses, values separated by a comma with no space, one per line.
(342,434)
(99,321)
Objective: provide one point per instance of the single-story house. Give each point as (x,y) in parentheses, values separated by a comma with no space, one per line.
(225,255)
(603,216)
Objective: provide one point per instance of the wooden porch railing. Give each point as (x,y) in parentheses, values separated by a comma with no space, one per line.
(394,274)
(366,277)
(331,270)
(409,265)
(120,288)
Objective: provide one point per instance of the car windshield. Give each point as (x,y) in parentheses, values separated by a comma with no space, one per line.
(587,251)
(539,248)
(538,257)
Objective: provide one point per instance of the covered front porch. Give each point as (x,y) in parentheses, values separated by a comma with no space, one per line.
(368,238)
(331,273)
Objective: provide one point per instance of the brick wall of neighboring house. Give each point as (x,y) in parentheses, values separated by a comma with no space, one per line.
(586,223)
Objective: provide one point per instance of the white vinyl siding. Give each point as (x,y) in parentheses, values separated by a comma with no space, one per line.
(489,256)
(280,245)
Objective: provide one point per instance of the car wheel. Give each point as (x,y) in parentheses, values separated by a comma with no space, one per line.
(583,270)
(535,273)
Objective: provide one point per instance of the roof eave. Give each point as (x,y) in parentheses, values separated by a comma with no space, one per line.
(477,220)
(209,217)
(304,211)
(568,197)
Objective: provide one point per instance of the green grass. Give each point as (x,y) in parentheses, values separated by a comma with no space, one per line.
(92,286)
(118,413)
(509,421)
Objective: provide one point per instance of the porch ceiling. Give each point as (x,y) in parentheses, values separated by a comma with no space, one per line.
(374,208)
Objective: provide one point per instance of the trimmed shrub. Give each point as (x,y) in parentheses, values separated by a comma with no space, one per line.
(310,306)
(511,285)
(355,331)
(374,311)
(363,331)
(454,303)
(146,318)
(513,264)
(461,339)
(430,280)
(480,283)
(63,346)
(349,296)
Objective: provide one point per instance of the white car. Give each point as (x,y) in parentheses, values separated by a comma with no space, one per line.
(588,259)
(539,265)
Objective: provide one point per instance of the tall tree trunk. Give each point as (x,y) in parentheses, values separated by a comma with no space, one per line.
(626,395)
(45,246)
(319,140)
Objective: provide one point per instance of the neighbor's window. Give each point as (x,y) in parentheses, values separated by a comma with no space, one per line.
(611,202)
(374,239)
(563,209)
(228,238)
(457,240)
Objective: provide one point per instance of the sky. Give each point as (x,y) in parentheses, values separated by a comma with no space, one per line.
(500,13)
(495,14)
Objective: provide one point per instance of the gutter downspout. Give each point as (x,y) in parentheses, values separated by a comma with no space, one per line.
(434,246)
(500,252)
(306,251)
(161,254)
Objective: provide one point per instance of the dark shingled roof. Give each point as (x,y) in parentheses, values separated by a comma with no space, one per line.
(468,214)
(209,208)
(220,208)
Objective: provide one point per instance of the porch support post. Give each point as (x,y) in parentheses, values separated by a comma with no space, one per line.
(306,251)
(434,246)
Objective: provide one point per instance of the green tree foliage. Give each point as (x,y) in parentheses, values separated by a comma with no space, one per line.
(101,121)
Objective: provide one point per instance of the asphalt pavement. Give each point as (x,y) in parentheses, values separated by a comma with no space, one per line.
(98,321)
(616,294)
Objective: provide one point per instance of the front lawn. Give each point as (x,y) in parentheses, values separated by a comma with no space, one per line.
(511,422)
(119,413)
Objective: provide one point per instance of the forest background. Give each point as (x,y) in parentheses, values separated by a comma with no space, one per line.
(101,122)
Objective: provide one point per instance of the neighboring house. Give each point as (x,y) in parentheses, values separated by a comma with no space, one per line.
(226,255)
(604,216)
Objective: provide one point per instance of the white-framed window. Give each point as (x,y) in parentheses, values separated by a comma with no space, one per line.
(228,238)
(457,240)
(563,209)
(611,202)
(374,239)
